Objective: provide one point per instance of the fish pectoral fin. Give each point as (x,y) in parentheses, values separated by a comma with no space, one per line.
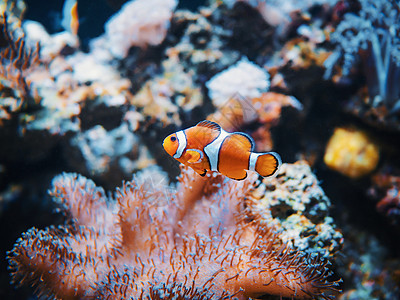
(201,172)
(237,175)
(195,156)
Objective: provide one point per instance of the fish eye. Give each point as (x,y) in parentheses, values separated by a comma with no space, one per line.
(173,139)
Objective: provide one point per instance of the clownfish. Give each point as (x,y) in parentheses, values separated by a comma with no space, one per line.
(207,147)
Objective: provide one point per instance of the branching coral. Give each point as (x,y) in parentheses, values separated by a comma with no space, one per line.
(196,242)
(16,60)
(15,9)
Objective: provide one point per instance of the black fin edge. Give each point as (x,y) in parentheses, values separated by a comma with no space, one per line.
(238,179)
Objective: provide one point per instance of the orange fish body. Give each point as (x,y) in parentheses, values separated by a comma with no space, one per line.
(207,147)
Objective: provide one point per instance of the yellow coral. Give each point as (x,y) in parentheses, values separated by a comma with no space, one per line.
(351,152)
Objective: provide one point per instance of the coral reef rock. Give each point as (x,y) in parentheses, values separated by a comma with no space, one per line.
(297,206)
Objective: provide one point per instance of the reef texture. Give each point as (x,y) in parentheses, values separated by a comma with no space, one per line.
(196,242)
(298,208)
(368,272)
(17,61)
(368,42)
(285,72)
(385,190)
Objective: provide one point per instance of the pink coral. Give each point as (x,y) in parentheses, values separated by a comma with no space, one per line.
(196,242)
(139,24)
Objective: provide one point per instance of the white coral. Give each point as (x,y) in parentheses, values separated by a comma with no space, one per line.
(139,23)
(244,78)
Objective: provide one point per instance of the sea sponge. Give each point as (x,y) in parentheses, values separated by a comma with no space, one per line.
(351,152)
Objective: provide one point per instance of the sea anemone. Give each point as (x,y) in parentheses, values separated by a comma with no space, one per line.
(195,241)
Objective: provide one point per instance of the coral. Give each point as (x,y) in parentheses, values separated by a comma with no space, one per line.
(138,23)
(201,45)
(105,104)
(34,79)
(351,152)
(368,267)
(165,95)
(373,37)
(265,111)
(386,190)
(69,79)
(108,151)
(269,106)
(286,6)
(51,46)
(199,51)
(14,9)
(295,204)
(16,62)
(244,78)
(303,54)
(196,242)
(280,13)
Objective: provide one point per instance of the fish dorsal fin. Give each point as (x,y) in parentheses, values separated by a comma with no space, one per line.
(244,139)
(209,124)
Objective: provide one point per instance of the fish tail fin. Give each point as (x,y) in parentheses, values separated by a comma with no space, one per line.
(267,164)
